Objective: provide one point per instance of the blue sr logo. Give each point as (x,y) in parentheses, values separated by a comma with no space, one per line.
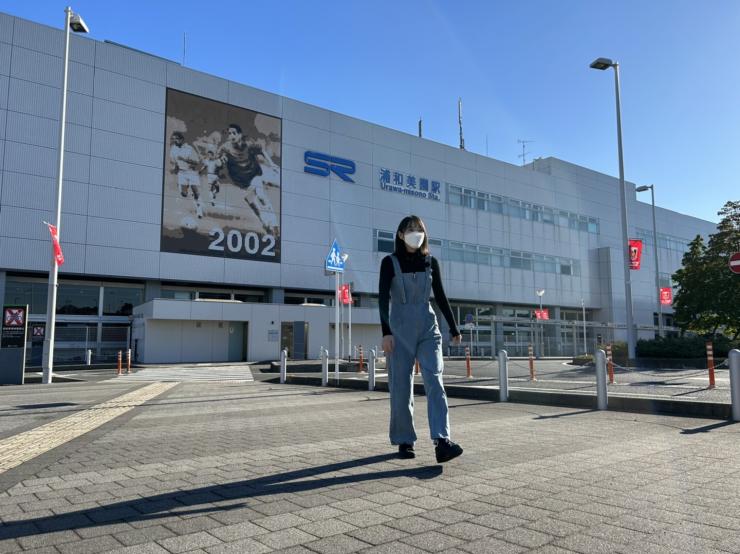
(324,164)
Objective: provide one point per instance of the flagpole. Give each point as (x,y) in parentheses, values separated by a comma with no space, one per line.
(51,304)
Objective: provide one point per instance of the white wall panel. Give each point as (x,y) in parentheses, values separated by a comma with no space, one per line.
(390,158)
(50,40)
(29,129)
(255,99)
(32,98)
(76,166)
(251,273)
(3,119)
(126,149)
(5,55)
(31,255)
(306,184)
(124,262)
(122,234)
(306,114)
(194,82)
(305,137)
(130,63)
(127,205)
(306,230)
(129,91)
(35,160)
(185,267)
(30,191)
(6,27)
(304,205)
(28,223)
(122,175)
(126,120)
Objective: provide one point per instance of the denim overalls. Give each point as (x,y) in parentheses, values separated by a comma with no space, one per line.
(416,336)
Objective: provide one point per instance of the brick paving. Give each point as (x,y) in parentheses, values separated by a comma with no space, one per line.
(254,467)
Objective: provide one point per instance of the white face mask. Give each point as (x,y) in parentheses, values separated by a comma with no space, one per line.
(413,239)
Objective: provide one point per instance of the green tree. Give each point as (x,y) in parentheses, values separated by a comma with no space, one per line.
(708,293)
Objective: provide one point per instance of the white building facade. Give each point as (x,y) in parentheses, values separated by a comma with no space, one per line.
(221,257)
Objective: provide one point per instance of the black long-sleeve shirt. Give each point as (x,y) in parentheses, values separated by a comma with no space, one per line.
(412,262)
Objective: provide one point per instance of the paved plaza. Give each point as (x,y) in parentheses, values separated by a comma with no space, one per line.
(248,466)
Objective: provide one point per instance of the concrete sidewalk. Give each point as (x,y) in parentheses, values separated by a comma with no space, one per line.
(254,467)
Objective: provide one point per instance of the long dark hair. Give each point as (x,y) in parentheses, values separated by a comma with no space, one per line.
(407,222)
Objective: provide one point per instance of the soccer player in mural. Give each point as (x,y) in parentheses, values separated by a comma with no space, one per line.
(185,161)
(250,168)
(211,167)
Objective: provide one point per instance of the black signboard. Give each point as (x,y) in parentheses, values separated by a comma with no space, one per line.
(15,326)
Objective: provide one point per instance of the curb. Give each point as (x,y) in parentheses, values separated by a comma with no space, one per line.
(645,405)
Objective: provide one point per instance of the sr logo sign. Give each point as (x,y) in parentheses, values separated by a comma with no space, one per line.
(324,164)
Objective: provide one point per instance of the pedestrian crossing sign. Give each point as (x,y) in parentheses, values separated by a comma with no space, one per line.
(334,261)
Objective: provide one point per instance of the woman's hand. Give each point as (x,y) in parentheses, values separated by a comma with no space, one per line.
(457,340)
(387,344)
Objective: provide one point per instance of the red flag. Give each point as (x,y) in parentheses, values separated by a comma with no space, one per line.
(635,246)
(58,256)
(666,296)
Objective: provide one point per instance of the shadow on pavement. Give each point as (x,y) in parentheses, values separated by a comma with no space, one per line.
(177,503)
(555,416)
(707,428)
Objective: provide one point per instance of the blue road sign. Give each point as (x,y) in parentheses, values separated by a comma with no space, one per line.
(334,260)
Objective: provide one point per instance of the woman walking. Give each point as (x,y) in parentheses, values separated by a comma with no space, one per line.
(411,332)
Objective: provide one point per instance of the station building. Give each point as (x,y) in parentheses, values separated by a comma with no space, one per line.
(198,214)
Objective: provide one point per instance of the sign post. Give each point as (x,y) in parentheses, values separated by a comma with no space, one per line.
(334,263)
(13,344)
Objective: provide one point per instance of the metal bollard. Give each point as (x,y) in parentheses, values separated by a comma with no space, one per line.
(371,370)
(324,367)
(469,370)
(283,366)
(601,395)
(734,358)
(610,363)
(532,374)
(503,376)
(128,361)
(119,370)
(88,357)
(710,364)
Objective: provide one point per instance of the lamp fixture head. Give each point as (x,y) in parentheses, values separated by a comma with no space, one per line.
(601,63)
(77,24)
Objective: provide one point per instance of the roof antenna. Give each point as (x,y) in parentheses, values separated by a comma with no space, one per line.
(184,35)
(459,121)
(524,153)
(419,126)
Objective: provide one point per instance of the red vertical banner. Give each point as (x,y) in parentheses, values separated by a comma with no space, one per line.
(666,296)
(635,253)
(345,294)
(58,256)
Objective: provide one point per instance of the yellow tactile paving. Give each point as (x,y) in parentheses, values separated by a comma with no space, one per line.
(20,448)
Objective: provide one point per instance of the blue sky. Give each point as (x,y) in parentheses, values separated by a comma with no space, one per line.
(520,67)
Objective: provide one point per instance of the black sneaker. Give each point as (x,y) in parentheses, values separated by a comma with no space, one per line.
(406,451)
(446,450)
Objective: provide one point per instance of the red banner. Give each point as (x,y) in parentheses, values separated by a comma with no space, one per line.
(635,253)
(542,314)
(58,256)
(345,294)
(666,296)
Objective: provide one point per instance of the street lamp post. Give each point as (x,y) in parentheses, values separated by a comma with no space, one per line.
(74,22)
(602,64)
(345,257)
(655,252)
(541,293)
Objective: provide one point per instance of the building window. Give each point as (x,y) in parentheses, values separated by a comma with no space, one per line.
(78,299)
(548,216)
(484,255)
(249,297)
(593,225)
(495,204)
(384,241)
(455,252)
(454,195)
(521,260)
(515,208)
(178,294)
(482,202)
(206,295)
(27,292)
(121,300)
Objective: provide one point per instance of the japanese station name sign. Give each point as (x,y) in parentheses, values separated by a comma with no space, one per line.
(411,185)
